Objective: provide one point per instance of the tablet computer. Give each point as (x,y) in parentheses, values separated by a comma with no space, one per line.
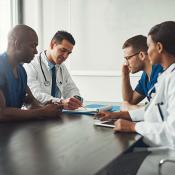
(109,123)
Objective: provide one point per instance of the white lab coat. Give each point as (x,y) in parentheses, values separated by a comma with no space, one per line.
(158,132)
(36,80)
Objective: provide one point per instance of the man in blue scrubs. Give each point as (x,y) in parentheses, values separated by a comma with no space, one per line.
(14,92)
(135,53)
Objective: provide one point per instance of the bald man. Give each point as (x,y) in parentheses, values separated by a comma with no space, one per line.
(14,92)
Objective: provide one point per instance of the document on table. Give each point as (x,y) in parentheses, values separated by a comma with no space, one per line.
(93,109)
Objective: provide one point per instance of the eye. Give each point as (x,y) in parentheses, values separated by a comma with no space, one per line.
(63,50)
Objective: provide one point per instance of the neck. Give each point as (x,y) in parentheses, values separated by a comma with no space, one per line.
(12,58)
(166,65)
(166,61)
(49,56)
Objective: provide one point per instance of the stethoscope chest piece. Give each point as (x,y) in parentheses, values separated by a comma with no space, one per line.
(47,83)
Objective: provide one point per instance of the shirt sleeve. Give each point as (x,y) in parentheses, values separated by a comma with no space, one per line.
(139,87)
(137,114)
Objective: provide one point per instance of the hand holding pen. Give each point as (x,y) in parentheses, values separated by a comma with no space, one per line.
(104,115)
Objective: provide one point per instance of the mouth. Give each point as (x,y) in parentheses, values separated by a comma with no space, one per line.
(61,59)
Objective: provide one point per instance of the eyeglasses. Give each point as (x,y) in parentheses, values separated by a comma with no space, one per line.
(128,57)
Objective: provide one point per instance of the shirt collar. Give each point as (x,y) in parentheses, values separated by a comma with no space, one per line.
(50,65)
(170,68)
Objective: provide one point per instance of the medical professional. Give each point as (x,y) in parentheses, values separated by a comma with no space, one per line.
(136,60)
(14,92)
(157,121)
(48,77)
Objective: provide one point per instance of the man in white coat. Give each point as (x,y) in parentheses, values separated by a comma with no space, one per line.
(48,77)
(157,120)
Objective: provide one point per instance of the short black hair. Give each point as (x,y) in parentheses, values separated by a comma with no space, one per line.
(165,34)
(138,43)
(61,35)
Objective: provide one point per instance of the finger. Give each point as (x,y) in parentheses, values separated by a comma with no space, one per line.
(115,129)
(100,114)
(97,117)
(116,123)
(75,100)
(104,118)
(73,105)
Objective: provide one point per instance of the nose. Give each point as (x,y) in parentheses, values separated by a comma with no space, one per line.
(65,55)
(126,62)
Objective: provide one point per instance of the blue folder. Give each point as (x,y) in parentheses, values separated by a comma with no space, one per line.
(96,107)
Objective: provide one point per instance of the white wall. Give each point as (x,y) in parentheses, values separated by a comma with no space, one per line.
(100,27)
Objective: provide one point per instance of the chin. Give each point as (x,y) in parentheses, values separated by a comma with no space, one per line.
(132,71)
(29,60)
(59,62)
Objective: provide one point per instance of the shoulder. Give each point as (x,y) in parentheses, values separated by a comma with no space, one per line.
(143,77)
(22,71)
(3,62)
(35,60)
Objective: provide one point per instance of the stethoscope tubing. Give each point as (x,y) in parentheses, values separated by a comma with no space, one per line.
(46,82)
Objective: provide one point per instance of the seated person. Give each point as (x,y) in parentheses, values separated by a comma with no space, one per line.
(157,121)
(14,92)
(135,53)
(48,77)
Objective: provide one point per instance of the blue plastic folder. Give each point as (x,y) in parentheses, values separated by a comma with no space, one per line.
(92,109)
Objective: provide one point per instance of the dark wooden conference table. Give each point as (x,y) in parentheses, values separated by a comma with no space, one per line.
(71,145)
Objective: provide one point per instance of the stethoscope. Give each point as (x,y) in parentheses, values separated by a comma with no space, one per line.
(46,82)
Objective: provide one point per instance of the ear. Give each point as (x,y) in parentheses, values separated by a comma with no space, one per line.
(142,55)
(52,44)
(159,47)
(17,44)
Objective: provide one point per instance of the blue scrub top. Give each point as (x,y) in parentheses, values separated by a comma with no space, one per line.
(144,85)
(14,90)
